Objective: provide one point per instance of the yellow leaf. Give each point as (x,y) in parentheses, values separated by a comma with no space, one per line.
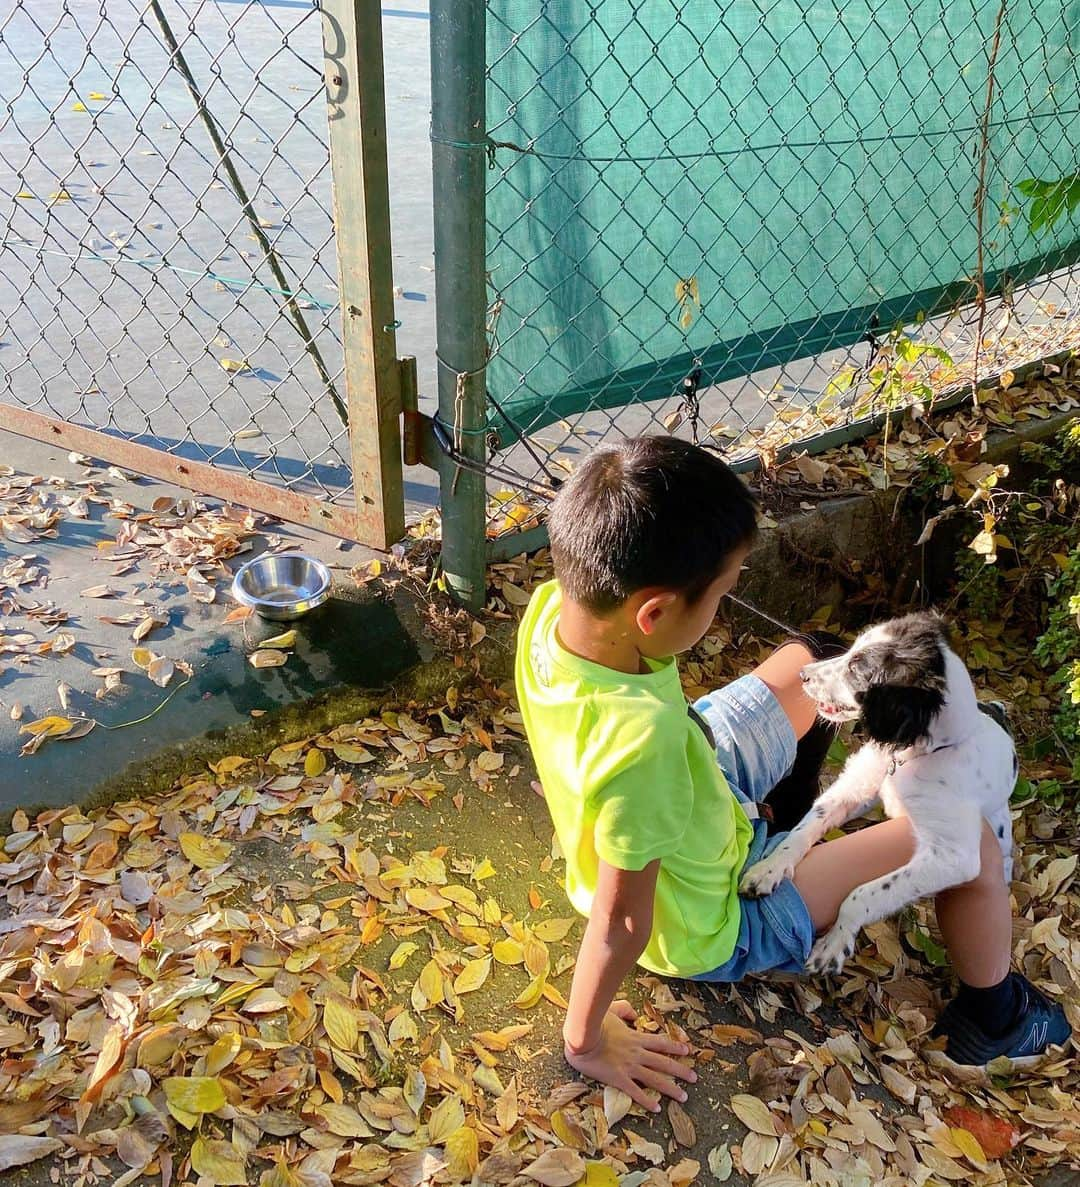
(532,992)
(423,898)
(97,96)
(462,1153)
(599,1174)
(341,1022)
(235,365)
(264,1001)
(968,1145)
(281,1175)
(204,852)
(314,762)
(508,952)
(473,975)
(567,1130)
(353,754)
(431,983)
(51,727)
(551,931)
(484,870)
(142,657)
(288,639)
(447,1117)
(402,953)
(24,194)
(223,1052)
(220,1162)
(402,1029)
(537,960)
(193,1095)
(78,106)
(753,1113)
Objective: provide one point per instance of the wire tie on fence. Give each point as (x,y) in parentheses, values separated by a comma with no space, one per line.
(487,145)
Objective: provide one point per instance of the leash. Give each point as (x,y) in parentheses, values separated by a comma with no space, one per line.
(801,636)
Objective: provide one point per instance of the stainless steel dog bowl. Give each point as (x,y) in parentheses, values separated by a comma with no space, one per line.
(282,585)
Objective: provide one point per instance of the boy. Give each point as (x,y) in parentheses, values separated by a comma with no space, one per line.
(655,806)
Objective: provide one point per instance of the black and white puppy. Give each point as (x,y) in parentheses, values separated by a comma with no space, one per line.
(932,757)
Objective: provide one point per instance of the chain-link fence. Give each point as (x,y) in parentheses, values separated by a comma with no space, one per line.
(764,222)
(169,272)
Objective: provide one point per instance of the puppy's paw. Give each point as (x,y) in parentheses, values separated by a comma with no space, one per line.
(764,877)
(830,952)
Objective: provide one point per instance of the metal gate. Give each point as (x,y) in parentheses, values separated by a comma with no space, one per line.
(196,271)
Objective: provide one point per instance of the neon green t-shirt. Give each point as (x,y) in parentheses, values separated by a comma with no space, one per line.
(630,777)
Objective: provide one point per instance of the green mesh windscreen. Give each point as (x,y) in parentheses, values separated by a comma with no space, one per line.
(748,183)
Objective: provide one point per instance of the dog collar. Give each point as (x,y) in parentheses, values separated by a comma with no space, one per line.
(896,762)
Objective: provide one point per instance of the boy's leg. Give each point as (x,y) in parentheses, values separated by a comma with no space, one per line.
(781,673)
(789,801)
(975,919)
(996,1012)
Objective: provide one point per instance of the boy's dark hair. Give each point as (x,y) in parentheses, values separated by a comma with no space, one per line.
(650,511)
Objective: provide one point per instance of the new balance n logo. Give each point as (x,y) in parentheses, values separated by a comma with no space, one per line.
(1037,1039)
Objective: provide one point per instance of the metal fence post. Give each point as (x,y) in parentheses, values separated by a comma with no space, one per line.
(458,144)
(352,42)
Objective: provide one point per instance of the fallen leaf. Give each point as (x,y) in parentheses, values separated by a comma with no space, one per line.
(753,1113)
(280,642)
(473,975)
(218,1161)
(193,1095)
(681,1124)
(18,1150)
(341,1022)
(996,1136)
(50,727)
(616,1104)
(462,1153)
(345,1121)
(112,1047)
(205,852)
(556,1168)
(446,1117)
(720,1164)
(267,658)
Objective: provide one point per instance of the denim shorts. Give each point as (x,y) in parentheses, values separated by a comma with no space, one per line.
(755,746)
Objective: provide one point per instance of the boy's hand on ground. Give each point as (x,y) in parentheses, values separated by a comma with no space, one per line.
(641,1065)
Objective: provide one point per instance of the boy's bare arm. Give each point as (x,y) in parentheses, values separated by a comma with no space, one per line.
(600,1042)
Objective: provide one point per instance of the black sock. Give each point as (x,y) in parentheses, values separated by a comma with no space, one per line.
(993,1009)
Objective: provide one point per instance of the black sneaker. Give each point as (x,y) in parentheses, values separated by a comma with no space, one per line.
(1040,1024)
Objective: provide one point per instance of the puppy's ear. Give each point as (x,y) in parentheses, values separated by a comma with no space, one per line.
(898,715)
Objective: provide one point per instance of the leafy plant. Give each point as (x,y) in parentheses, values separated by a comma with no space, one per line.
(1051,201)
(901,373)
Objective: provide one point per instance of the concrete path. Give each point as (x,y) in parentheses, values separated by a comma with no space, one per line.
(357,641)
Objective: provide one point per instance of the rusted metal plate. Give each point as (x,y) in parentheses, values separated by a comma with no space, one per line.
(352,44)
(197,476)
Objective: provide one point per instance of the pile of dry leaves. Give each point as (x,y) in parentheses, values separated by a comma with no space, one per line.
(171,1007)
